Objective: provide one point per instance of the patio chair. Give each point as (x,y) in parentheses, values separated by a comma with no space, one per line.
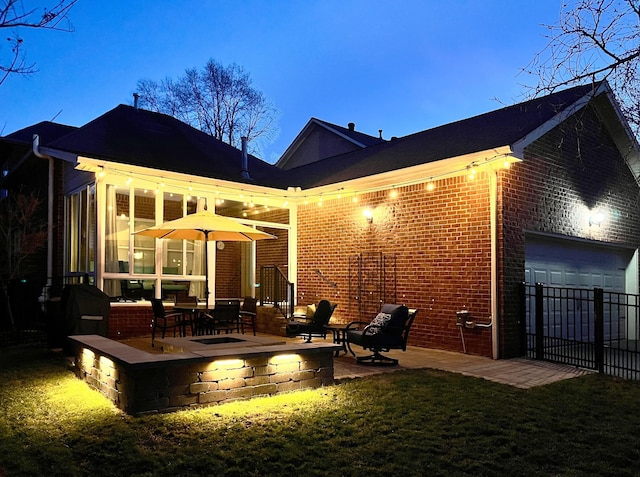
(165,321)
(312,325)
(248,313)
(226,317)
(388,330)
(188,306)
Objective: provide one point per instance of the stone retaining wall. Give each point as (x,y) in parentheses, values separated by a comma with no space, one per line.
(139,382)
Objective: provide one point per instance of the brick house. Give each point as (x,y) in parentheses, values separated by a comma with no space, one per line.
(448,219)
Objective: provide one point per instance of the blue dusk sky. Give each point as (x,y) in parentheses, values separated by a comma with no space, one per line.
(402,66)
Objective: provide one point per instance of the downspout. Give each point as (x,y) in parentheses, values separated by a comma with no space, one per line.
(493,199)
(36,151)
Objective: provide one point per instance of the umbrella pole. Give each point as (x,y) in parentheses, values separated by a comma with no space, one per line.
(206,267)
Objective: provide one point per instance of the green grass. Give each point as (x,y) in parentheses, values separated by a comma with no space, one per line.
(405,423)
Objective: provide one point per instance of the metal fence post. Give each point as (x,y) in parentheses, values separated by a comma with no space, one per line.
(598,303)
(522,317)
(539,321)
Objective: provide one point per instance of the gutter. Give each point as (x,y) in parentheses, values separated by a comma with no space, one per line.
(37,153)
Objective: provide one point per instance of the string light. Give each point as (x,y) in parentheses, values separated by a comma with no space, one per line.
(498,161)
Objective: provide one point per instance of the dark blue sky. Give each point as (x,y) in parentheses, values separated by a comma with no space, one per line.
(397,65)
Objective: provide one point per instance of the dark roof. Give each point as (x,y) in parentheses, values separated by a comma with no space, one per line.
(143,138)
(46,130)
(362,138)
(490,130)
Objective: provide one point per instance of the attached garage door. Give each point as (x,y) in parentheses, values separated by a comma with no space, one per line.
(575,264)
(570,264)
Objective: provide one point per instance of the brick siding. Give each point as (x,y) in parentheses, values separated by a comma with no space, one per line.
(572,169)
(442,243)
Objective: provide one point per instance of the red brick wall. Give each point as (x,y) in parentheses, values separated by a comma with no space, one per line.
(269,252)
(130,321)
(573,168)
(228,271)
(442,242)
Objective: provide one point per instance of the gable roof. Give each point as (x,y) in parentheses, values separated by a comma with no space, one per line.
(487,131)
(355,138)
(143,138)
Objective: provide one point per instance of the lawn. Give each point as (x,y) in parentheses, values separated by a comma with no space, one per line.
(405,423)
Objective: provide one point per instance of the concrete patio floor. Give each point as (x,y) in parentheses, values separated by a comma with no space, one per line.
(518,372)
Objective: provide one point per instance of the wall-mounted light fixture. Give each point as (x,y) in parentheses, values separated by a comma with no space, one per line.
(368,214)
(596,218)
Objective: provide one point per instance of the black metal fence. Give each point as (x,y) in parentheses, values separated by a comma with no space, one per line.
(588,328)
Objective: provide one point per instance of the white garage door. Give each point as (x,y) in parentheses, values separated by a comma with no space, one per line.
(575,264)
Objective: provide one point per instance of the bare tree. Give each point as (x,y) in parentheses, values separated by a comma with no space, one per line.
(23,233)
(15,17)
(594,40)
(219,100)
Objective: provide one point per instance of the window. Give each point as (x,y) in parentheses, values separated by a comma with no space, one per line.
(80,233)
(135,255)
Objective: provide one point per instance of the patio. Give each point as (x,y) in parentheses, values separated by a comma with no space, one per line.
(518,372)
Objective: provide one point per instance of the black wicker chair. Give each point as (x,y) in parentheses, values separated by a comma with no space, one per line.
(388,330)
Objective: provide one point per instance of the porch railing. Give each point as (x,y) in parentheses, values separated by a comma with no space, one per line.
(276,290)
(588,328)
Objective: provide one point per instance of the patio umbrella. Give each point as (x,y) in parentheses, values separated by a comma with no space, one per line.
(205,226)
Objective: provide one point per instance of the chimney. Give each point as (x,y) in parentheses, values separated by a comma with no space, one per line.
(245,160)
(352,126)
(380,131)
(136,96)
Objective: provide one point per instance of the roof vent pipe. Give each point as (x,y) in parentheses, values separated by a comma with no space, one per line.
(245,159)
(352,126)
(136,96)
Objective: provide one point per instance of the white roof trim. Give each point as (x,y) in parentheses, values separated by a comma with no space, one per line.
(295,144)
(519,146)
(620,131)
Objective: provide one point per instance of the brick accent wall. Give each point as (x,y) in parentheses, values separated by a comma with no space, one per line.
(228,271)
(130,321)
(442,242)
(571,170)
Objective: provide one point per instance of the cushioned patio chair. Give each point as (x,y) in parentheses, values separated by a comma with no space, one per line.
(388,330)
(312,325)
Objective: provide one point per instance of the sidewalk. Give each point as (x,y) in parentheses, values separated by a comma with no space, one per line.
(519,372)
